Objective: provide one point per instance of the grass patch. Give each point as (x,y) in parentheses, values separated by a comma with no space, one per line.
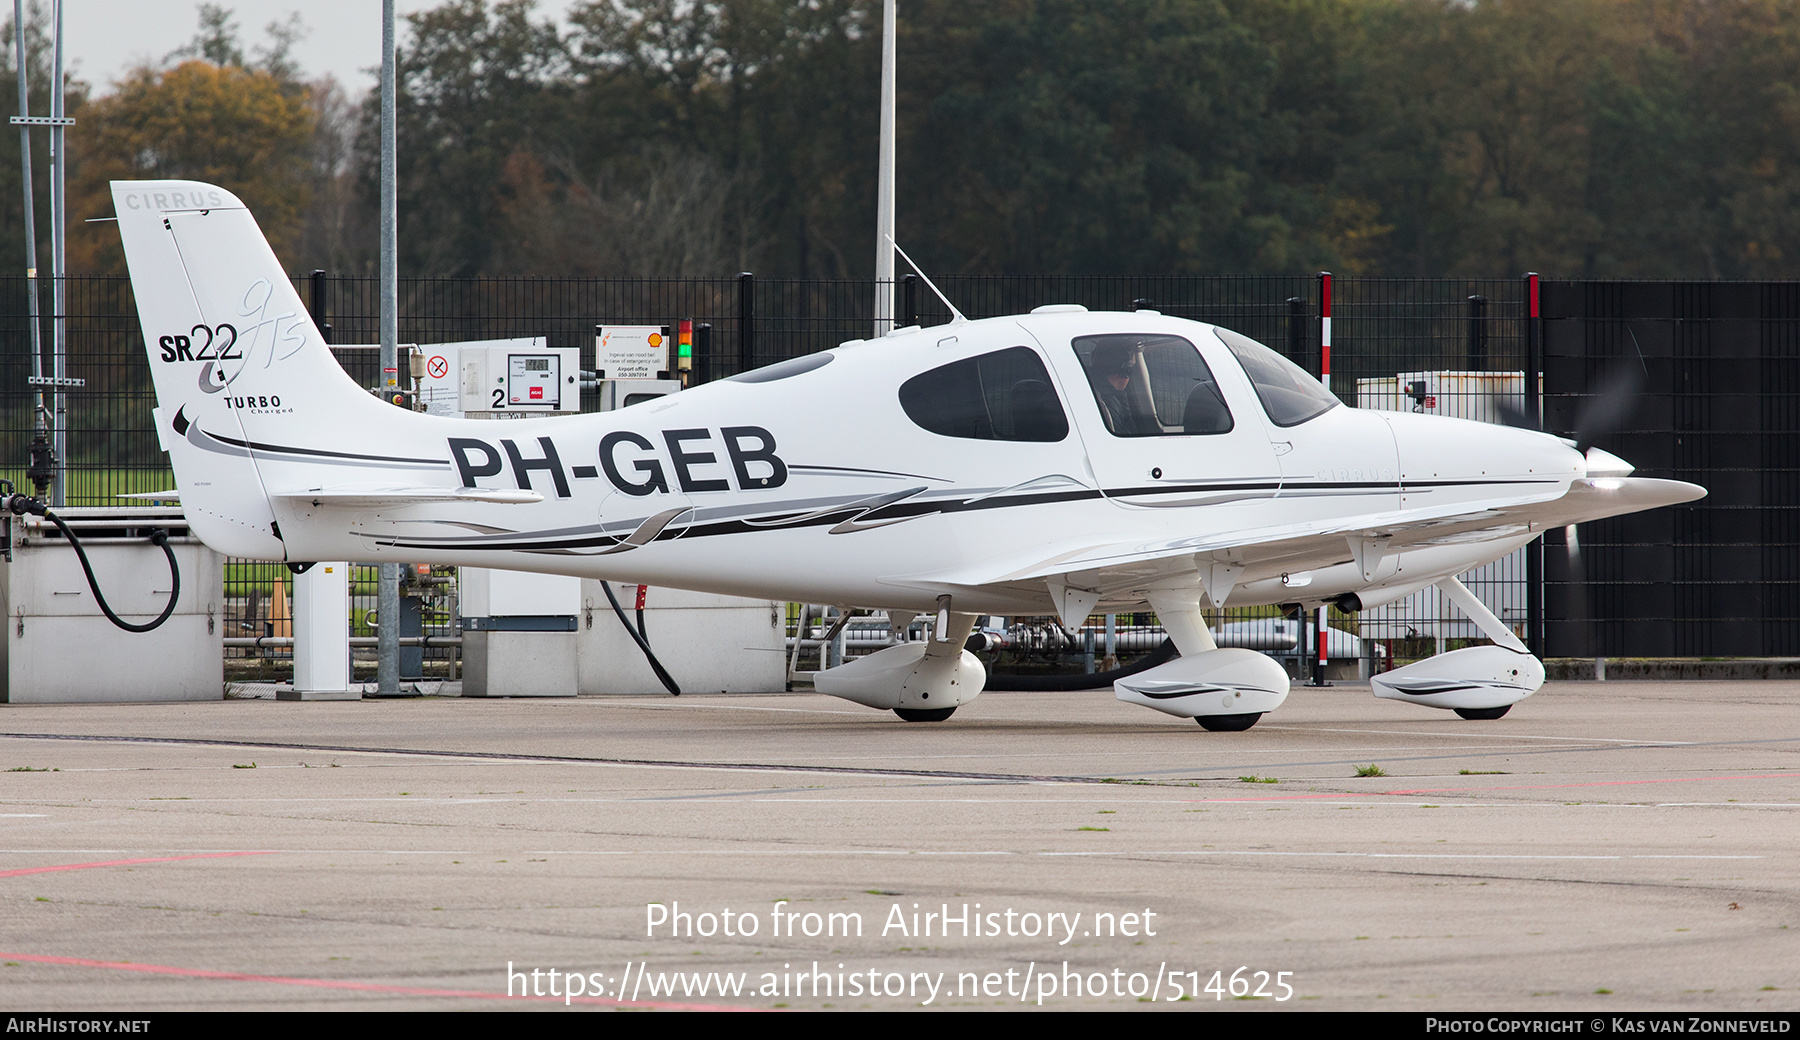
(85,484)
(1370,770)
(1254,779)
(1481,772)
(1093,828)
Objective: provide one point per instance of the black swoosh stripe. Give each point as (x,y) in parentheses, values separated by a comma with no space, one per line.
(900,510)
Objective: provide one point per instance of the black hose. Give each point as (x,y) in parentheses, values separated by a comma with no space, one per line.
(158,537)
(638,638)
(1084,681)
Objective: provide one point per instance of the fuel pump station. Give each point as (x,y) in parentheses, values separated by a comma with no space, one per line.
(517,628)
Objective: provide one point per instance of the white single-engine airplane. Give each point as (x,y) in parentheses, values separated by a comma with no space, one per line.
(1060,462)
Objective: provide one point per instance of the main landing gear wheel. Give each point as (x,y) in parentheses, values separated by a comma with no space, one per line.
(1228,723)
(924,714)
(1484,713)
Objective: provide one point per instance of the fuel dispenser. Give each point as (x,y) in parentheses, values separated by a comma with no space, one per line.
(517,628)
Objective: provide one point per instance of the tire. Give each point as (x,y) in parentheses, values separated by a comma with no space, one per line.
(1228,723)
(924,714)
(1484,713)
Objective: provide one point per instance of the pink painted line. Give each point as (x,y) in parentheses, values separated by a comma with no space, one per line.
(126,862)
(1511,787)
(362,987)
(1606,783)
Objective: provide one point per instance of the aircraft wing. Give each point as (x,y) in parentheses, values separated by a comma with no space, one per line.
(1317,544)
(390,497)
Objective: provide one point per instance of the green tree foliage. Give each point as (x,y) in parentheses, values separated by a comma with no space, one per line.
(225,125)
(476,85)
(1647,138)
(208,118)
(1088,135)
(12,192)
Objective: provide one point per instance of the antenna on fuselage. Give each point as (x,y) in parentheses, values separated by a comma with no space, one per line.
(940,293)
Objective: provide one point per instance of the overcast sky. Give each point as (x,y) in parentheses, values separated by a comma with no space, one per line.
(105,38)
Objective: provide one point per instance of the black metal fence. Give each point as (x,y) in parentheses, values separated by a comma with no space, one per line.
(1720,407)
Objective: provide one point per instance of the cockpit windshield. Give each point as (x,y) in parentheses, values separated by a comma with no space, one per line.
(1287,393)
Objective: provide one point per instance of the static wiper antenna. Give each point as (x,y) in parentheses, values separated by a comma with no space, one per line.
(940,293)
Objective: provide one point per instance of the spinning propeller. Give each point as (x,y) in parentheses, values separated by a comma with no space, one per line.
(1601,414)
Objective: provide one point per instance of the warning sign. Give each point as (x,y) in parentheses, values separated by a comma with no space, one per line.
(631,352)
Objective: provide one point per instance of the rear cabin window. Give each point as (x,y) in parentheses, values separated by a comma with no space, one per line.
(1003,396)
(1152,385)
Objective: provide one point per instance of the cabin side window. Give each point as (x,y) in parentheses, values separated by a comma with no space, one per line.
(1003,396)
(1152,385)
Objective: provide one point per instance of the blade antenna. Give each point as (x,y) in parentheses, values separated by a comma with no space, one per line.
(940,293)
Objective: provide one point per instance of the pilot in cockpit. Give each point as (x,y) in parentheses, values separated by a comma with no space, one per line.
(1112,369)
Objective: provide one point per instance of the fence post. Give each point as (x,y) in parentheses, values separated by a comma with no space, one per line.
(702,352)
(1534,552)
(746,321)
(909,299)
(1478,333)
(316,304)
(1296,316)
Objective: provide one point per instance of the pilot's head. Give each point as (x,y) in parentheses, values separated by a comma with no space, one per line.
(1116,362)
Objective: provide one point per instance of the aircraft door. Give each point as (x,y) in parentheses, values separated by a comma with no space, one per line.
(1159,429)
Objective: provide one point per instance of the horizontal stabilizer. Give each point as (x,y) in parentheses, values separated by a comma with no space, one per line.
(365,498)
(154,496)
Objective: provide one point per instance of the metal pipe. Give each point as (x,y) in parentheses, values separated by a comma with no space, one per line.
(277,642)
(59,161)
(884,182)
(388,667)
(31,286)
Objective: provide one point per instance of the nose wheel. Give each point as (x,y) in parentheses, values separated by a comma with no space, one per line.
(1483,713)
(924,714)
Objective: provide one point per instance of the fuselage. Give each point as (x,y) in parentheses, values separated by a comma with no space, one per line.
(814,481)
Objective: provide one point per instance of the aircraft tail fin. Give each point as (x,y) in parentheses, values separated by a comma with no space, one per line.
(237,362)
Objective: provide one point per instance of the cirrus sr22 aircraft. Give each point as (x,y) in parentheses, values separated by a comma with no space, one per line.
(1059,462)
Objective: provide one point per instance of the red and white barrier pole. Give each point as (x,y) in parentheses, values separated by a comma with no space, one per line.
(1319,674)
(1325,329)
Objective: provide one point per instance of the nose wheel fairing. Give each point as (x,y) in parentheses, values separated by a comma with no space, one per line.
(1474,677)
